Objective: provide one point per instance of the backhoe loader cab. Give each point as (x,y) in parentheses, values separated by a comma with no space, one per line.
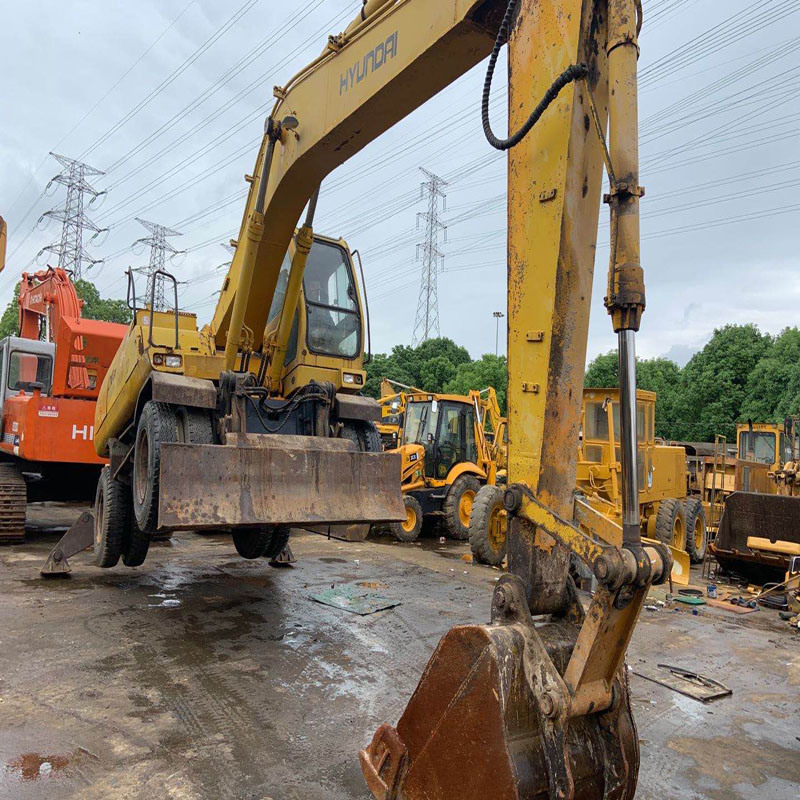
(446,460)
(282,438)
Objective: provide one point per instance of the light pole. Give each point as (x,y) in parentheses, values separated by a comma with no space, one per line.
(498,315)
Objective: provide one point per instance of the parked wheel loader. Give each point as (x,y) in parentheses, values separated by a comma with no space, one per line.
(446,458)
(667,514)
(50,376)
(515,709)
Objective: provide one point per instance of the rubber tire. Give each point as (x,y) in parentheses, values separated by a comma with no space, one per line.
(279,538)
(135,551)
(251,544)
(453,526)
(669,511)
(364,435)
(159,423)
(396,528)
(488,501)
(695,512)
(112,519)
(195,426)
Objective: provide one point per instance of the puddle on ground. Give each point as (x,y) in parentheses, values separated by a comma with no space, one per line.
(329,560)
(163,601)
(33,766)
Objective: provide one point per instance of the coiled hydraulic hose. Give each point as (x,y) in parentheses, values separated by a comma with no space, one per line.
(570,74)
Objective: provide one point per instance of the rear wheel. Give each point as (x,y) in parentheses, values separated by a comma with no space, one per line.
(135,550)
(671,523)
(409,529)
(112,519)
(696,532)
(157,424)
(458,506)
(487,528)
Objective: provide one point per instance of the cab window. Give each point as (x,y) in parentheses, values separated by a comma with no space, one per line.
(25,370)
(757,446)
(333,319)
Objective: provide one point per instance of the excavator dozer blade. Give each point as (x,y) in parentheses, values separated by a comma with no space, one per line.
(257,480)
(758,534)
(474,729)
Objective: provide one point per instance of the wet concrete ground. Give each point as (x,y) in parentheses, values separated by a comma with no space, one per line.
(201,675)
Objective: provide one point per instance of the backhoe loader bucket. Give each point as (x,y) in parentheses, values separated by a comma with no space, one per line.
(257,479)
(474,728)
(758,534)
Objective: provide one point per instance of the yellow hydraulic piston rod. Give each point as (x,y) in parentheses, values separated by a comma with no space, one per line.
(625,300)
(279,344)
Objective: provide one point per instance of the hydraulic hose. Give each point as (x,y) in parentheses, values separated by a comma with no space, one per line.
(570,74)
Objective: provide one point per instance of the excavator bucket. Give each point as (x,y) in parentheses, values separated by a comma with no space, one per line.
(275,479)
(758,534)
(474,728)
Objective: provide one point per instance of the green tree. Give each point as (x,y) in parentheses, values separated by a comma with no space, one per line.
(489,370)
(713,386)
(9,322)
(773,387)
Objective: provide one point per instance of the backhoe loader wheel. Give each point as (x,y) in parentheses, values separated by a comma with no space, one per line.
(112,519)
(487,528)
(279,538)
(458,506)
(157,424)
(671,523)
(136,546)
(409,529)
(696,532)
(252,543)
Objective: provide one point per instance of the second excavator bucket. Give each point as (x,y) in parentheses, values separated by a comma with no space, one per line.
(483,723)
(256,479)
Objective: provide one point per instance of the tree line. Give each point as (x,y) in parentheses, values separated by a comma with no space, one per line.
(741,374)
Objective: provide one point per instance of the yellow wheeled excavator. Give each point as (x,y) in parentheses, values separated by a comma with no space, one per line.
(534,704)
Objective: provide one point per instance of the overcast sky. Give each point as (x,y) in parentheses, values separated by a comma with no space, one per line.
(168,98)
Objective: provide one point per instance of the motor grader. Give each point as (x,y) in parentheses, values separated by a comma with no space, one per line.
(446,458)
(515,709)
(667,514)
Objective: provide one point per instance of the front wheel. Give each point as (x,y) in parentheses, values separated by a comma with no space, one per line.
(458,506)
(696,532)
(409,529)
(488,526)
(158,424)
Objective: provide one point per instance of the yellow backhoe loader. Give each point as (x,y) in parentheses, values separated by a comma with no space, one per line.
(666,513)
(513,709)
(446,458)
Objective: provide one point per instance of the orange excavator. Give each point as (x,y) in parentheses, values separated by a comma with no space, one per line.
(49,379)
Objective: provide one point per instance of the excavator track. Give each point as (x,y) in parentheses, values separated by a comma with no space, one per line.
(13,502)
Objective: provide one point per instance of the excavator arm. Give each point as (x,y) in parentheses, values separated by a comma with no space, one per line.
(394,57)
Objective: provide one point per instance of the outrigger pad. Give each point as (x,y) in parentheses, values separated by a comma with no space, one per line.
(79,537)
(258,479)
(472,729)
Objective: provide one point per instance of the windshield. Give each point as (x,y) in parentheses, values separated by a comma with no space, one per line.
(757,446)
(334,323)
(26,370)
(596,423)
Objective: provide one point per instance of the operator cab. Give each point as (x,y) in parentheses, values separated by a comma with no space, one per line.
(446,429)
(329,301)
(25,365)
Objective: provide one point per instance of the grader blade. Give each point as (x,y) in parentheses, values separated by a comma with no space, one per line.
(475,728)
(257,480)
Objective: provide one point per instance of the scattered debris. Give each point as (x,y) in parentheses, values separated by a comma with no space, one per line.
(686,682)
(356,597)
